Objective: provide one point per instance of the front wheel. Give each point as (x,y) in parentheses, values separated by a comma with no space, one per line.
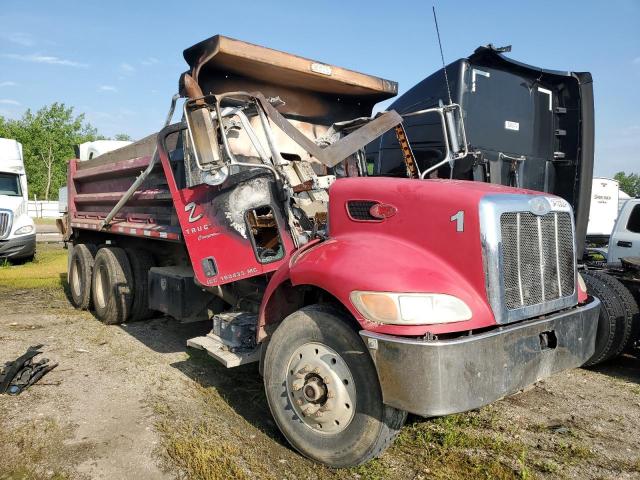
(323,390)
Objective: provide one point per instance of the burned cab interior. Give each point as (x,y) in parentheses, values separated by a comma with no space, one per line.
(269,132)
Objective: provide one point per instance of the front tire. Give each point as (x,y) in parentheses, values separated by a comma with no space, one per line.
(323,390)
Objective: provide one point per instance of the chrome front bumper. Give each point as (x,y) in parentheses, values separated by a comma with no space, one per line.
(440,377)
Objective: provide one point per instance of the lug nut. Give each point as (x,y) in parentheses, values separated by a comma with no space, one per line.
(299,401)
(318,413)
(331,395)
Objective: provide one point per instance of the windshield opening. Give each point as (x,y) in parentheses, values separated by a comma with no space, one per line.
(10,184)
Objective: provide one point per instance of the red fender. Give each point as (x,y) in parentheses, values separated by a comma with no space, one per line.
(352,262)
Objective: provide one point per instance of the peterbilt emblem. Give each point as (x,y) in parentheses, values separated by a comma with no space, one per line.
(539,206)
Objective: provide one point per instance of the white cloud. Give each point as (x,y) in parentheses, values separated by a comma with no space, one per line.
(19,38)
(107,88)
(8,83)
(48,59)
(150,61)
(8,101)
(127,68)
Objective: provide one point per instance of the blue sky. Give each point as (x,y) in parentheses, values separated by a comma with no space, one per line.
(119,61)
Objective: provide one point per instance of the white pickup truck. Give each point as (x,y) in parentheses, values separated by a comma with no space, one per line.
(625,237)
(17,230)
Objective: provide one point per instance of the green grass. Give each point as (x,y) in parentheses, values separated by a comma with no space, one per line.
(44,221)
(461,446)
(35,450)
(48,270)
(195,449)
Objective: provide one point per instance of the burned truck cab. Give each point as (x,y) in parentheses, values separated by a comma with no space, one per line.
(258,156)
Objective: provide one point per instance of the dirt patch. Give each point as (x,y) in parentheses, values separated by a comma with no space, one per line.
(131,401)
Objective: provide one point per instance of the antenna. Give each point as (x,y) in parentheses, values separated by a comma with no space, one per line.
(444,67)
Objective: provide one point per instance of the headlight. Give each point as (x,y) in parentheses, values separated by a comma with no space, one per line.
(24,230)
(410,308)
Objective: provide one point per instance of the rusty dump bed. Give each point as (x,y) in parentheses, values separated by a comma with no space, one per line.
(315,96)
(95,186)
(312,90)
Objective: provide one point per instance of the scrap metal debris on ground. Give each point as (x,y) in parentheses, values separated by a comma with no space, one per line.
(20,374)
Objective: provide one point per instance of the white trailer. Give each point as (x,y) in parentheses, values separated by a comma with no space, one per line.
(603,212)
(17,230)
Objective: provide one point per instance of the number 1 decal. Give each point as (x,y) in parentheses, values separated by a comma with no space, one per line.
(459,219)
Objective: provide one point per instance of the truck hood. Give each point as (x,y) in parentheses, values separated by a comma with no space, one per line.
(429,241)
(11,202)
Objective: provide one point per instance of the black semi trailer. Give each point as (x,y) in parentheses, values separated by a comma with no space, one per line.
(526,127)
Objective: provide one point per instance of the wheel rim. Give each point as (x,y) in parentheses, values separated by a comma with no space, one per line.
(101,286)
(75,278)
(320,388)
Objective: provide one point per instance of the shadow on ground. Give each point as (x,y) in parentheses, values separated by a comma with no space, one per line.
(240,387)
(625,367)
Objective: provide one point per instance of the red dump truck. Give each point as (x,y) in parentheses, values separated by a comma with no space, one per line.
(361,298)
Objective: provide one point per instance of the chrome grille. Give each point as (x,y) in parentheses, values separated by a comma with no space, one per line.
(5,224)
(537,258)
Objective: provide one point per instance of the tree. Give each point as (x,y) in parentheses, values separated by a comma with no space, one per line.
(629,183)
(122,137)
(48,138)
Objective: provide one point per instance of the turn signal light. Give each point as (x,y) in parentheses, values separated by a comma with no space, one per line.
(382,211)
(410,308)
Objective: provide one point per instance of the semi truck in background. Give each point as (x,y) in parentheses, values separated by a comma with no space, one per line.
(360,298)
(17,230)
(527,127)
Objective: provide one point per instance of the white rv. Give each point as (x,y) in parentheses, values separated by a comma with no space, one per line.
(90,150)
(603,211)
(17,230)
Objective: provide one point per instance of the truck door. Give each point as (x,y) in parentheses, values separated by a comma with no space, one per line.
(625,238)
(232,231)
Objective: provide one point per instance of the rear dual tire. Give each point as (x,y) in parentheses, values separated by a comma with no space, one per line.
(111,286)
(120,293)
(141,262)
(617,319)
(80,274)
